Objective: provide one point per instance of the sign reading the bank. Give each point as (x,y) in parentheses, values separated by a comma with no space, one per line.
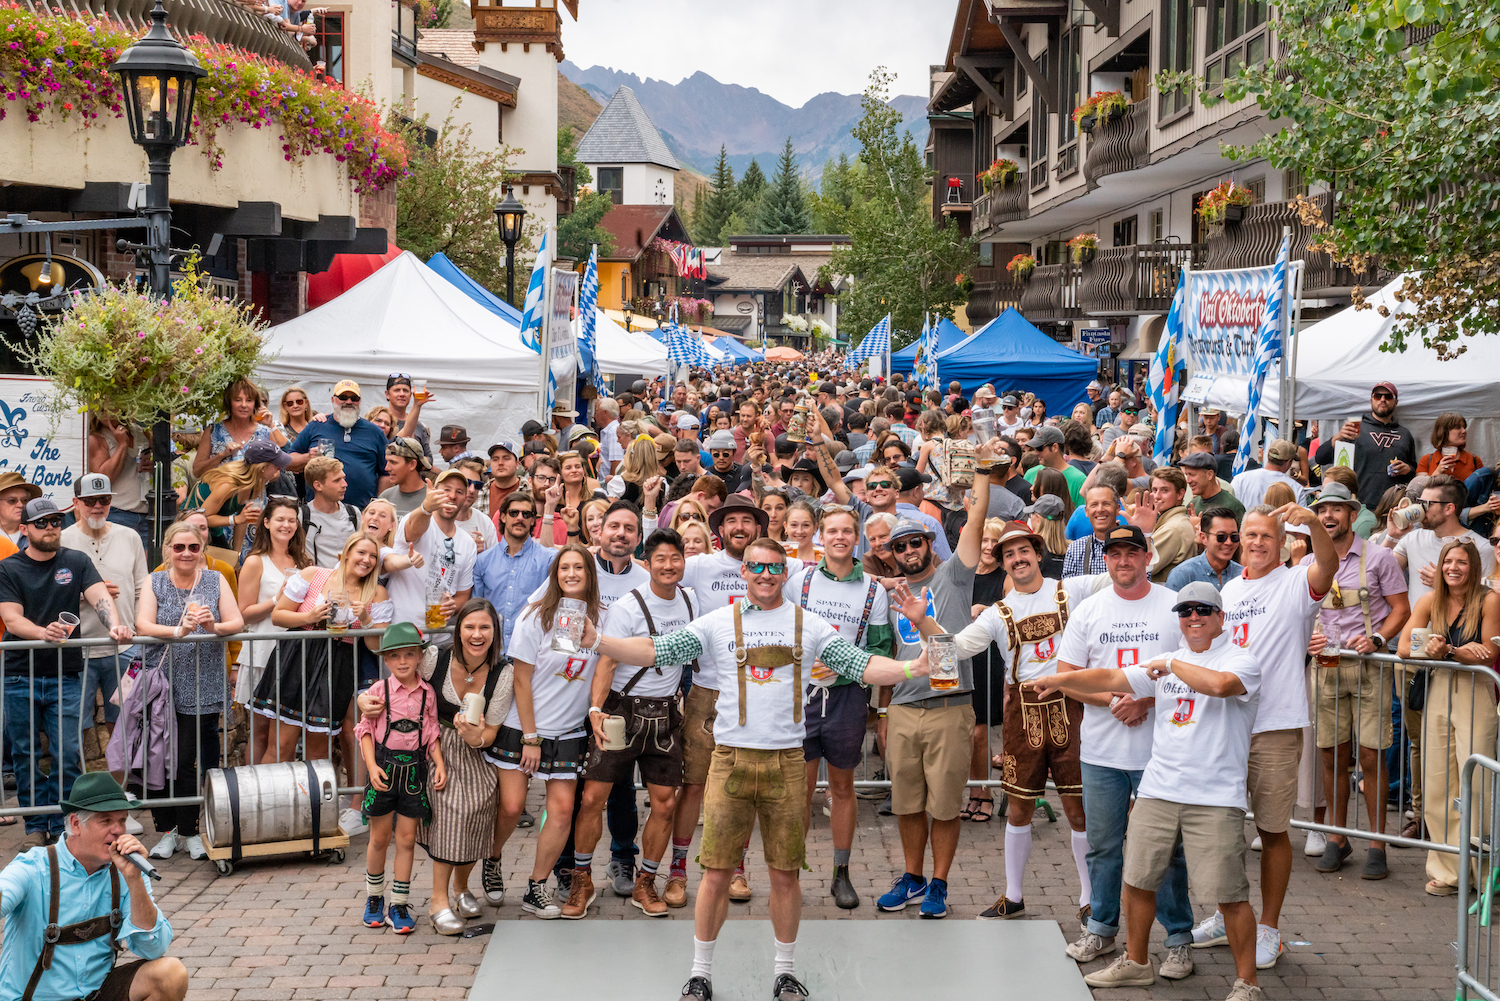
(51,457)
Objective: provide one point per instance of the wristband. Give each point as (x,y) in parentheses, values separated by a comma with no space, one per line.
(880,713)
(906,668)
(1169,663)
(574,535)
(594,709)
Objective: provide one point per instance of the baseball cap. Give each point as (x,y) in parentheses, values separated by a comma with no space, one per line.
(1049,506)
(1046,435)
(532,428)
(1281,450)
(845,460)
(686,420)
(449,474)
(1198,460)
(1199,592)
(906,526)
(1130,408)
(1009,401)
(39,507)
(535,448)
(92,485)
(1389,387)
(409,448)
(505,443)
(260,451)
(858,474)
(345,386)
(1127,535)
(1215,411)
(910,478)
(785,445)
(397,378)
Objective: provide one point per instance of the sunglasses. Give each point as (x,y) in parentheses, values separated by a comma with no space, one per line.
(1381,396)
(1223,537)
(902,546)
(52,521)
(716,452)
(94,501)
(294,403)
(187,547)
(690,516)
(879,485)
(476,484)
(399,375)
(520,514)
(347,398)
(1010,408)
(1202,611)
(775,569)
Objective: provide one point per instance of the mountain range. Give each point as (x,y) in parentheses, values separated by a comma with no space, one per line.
(698,114)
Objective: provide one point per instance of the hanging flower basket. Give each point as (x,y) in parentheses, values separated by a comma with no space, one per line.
(1021,266)
(999,173)
(1226,202)
(1082,247)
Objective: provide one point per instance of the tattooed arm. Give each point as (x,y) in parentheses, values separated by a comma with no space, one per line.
(98,596)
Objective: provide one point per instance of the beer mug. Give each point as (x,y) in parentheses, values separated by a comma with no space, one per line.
(567,631)
(614,733)
(984,423)
(797,430)
(326,450)
(1407,517)
(1419,637)
(1329,655)
(942,655)
(474,708)
(337,602)
(436,592)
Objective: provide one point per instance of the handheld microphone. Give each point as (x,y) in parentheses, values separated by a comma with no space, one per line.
(142,863)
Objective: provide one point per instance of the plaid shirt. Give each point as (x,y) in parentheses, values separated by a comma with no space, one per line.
(1084,556)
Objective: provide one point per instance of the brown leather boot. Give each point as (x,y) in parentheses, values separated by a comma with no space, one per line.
(675,895)
(645,896)
(580,896)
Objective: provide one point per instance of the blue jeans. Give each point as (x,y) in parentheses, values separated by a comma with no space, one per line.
(54,706)
(1106,807)
(102,675)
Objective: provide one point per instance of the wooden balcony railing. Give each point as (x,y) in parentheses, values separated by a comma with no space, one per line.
(990,299)
(998,206)
(1131,281)
(1051,294)
(1121,144)
(216,20)
(1254,241)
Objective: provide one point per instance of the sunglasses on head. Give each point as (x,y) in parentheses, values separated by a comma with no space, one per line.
(902,545)
(187,547)
(775,569)
(1202,611)
(399,375)
(1223,537)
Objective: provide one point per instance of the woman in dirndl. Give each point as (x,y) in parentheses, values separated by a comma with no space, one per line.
(308,684)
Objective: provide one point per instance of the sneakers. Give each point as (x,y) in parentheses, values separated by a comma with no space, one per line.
(1374,867)
(1245,991)
(935,904)
(1334,857)
(195,847)
(1317,843)
(352,822)
(1267,946)
(884,809)
(1002,909)
(133,826)
(526,819)
(1122,973)
(538,901)
(675,894)
(565,883)
(400,919)
(581,894)
(1210,932)
(844,895)
(699,988)
(644,896)
(168,846)
(374,912)
(1090,947)
(905,889)
(1178,964)
(1256,845)
(739,888)
(493,881)
(622,877)
(788,988)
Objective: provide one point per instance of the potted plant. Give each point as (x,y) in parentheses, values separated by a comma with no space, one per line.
(1021,266)
(1085,117)
(999,173)
(1225,202)
(1081,248)
(1109,104)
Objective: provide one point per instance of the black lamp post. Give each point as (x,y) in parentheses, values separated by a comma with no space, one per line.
(509,215)
(159,78)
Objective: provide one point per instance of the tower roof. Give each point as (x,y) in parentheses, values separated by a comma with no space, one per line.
(623,133)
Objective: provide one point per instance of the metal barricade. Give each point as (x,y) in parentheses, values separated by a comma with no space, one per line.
(1477,946)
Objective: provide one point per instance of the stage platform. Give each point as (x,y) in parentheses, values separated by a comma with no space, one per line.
(880,959)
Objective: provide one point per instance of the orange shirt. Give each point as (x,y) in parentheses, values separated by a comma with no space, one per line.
(1465,464)
(7,548)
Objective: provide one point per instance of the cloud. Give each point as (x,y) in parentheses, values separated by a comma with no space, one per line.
(792,50)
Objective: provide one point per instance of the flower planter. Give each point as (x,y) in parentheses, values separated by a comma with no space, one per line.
(1086,124)
(1083,255)
(1233,214)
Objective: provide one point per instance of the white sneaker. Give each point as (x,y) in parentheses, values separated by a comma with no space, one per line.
(1256,846)
(1178,964)
(195,847)
(169,844)
(133,826)
(352,822)
(1210,932)
(1267,946)
(1090,947)
(1317,842)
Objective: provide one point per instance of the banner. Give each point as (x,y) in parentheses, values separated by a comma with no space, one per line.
(28,444)
(1221,328)
(558,339)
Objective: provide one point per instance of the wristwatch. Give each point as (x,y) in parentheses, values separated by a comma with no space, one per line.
(1379,641)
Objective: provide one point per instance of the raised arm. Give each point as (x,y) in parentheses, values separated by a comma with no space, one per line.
(967,551)
(1087,681)
(1325,557)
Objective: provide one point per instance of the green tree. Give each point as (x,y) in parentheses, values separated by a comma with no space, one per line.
(709,219)
(901,261)
(783,206)
(579,231)
(567,156)
(838,191)
(1407,135)
(747,206)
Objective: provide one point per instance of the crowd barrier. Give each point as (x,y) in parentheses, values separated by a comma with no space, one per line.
(1477,946)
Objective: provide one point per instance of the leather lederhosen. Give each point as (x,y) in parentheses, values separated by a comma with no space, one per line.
(1042,717)
(769,658)
(78,932)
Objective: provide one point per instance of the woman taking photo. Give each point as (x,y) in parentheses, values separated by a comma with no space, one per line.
(545,732)
(309,685)
(278,552)
(187,599)
(1461,615)
(246,419)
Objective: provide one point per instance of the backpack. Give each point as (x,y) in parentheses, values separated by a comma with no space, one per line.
(304,514)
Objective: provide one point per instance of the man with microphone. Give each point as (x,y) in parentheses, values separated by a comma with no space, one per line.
(90,886)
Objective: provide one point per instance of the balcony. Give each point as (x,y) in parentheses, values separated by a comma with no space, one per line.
(404,32)
(216,20)
(998,206)
(1135,281)
(1120,145)
(1254,241)
(1051,294)
(956,192)
(990,299)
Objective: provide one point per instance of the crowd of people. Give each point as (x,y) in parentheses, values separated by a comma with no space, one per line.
(728,586)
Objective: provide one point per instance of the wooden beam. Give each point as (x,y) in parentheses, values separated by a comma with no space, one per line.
(966,63)
(1108,13)
(1047,88)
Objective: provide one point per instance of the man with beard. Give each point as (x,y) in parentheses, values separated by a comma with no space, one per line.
(37,585)
(348,437)
(1385,453)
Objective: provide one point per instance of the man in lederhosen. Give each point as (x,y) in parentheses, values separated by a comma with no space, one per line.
(765,648)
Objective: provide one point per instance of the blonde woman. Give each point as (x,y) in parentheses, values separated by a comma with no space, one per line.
(687,509)
(296,410)
(695,539)
(379,521)
(639,466)
(279,551)
(232,495)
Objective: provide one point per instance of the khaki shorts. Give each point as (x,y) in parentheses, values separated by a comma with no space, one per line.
(1213,840)
(1353,690)
(1272,778)
(745,784)
(699,710)
(927,752)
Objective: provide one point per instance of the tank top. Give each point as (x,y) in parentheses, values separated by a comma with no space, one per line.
(130,485)
(446,709)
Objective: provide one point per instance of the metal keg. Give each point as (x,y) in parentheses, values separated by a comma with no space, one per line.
(275,803)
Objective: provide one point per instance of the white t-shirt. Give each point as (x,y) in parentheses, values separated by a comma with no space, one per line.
(770,693)
(1200,747)
(625,620)
(841,603)
(477,522)
(408,588)
(1422,547)
(326,535)
(560,682)
(715,577)
(1272,617)
(1038,660)
(1110,631)
(611,585)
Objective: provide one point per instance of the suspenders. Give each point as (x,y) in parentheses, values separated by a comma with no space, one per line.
(651,626)
(864,619)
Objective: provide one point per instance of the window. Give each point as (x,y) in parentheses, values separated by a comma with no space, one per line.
(1054,252)
(1039,130)
(1021,81)
(1236,38)
(328,49)
(1069,43)
(1294,183)
(1124,232)
(612,181)
(1157,225)
(986,255)
(1257,188)
(1176,52)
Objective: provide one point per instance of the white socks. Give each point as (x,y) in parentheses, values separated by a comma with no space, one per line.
(1017,851)
(1080,859)
(703,958)
(784,951)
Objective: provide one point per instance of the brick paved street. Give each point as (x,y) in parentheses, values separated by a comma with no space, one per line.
(287,930)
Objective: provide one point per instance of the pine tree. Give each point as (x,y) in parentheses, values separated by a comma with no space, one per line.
(751,187)
(708,222)
(783,207)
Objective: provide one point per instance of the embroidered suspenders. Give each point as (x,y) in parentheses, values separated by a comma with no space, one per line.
(1032,628)
(78,933)
(769,658)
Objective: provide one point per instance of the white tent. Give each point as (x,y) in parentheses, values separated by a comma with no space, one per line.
(407,318)
(627,352)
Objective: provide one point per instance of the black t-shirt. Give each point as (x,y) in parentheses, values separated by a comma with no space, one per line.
(45,589)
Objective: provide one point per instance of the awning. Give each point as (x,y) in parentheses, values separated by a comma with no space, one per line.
(731,323)
(346,271)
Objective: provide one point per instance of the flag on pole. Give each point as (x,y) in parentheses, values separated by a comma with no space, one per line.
(1268,350)
(531,310)
(926,361)
(588,300)
(876,344)
(1168,370)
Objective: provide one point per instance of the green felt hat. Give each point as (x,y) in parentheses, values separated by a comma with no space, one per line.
(401,634)
(96,792)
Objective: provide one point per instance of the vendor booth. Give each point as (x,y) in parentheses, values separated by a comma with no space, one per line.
(1012,354)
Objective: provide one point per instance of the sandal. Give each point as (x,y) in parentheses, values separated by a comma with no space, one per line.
(1438,888)
(985,811)
(968,812)
(7,821)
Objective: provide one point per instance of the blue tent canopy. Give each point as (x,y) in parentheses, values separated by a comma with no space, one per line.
(737,351)
(439,262)
(1011,353)
(903,361)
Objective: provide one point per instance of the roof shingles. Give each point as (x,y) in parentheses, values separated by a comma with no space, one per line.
(624,133)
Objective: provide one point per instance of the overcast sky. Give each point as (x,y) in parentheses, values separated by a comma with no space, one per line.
(790,49)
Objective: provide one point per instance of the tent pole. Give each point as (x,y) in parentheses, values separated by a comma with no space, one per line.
(1294,322)
(1288,352)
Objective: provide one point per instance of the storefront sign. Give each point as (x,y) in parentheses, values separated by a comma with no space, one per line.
(51,458)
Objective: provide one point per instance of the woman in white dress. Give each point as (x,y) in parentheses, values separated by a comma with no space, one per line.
(278,552)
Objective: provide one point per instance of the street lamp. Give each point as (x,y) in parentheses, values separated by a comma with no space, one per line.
(159,78)
(509,215)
